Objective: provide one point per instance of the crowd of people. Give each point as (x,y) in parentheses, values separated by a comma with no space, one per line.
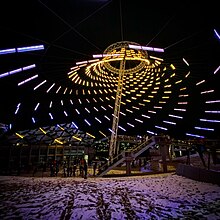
(67,168)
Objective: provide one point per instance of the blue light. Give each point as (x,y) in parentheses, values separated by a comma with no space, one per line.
(31,48)
(7,51)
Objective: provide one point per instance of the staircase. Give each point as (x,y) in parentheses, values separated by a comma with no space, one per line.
(120,158)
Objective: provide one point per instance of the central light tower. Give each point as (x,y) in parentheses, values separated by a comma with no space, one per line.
(138,59)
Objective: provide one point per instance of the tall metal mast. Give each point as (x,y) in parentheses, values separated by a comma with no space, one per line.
(113,140)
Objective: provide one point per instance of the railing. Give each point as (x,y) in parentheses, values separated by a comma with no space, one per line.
(120,158)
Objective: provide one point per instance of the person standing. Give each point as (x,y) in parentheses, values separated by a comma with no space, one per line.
(94,167)
(85,169)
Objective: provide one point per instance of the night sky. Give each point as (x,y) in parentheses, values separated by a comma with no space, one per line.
(73,30)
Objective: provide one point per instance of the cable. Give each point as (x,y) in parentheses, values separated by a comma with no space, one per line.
(71,27)
(121,22)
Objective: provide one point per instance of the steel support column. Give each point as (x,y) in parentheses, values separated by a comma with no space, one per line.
(113,140)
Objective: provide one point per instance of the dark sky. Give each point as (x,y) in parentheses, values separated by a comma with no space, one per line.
(74,30)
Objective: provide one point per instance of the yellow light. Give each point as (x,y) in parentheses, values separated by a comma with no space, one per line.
(178,81)
(102,134)
(167,86)
(90,135)
(19,135)
(61,127)
(79,139)
(172,66)
(43,130)
(187,74)
(56,140)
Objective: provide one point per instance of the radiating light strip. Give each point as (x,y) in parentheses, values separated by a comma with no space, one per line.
(172,66)
(65,113)
(102,134)
(50,87)
(33,120)
(130,124)
(51,102)
(217,70)
(105,55)
(51,116)
(27,80)
(19,135)
(215,112)
(30,48)
(98,120)
(111,130)
(29,67)
(212,101)
(36,87)
(74,125)
(208,91)
(152,112)
(216,33)
(7,51)
(156,58)
(43,130)
(179,109)
(138,120)
(182,103)
(107,117)
(187,74)
(194,135)
(151,132)
(36,107)
(58,89)
(17,70)
(185,62)
(92,136)
(175,116)
(77,138)
(170,122)
(207,120)
(58,141)
(200,82)
(136,47)
(87,110)
(162,128)
(18,107)
(87,122)
(77,111)
(122,128)
(206,129)
(103,108)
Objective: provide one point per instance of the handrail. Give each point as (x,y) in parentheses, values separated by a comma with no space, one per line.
(120,156)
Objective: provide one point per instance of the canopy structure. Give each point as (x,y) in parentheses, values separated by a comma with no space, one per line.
(76,71)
